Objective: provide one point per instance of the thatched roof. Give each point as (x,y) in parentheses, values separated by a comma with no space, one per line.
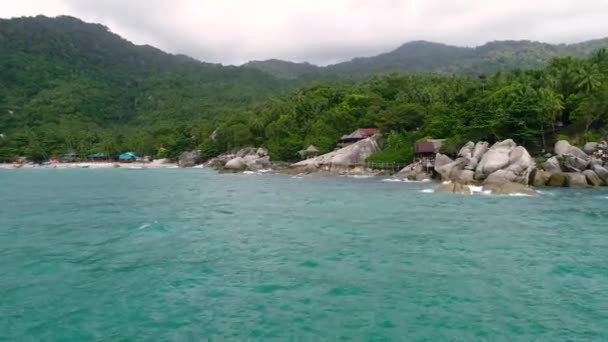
(312,149)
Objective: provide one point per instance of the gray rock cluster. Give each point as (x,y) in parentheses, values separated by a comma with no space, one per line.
(189,159)
(503,168)
(575,167)
(246,159)
(349,156)
(479,164)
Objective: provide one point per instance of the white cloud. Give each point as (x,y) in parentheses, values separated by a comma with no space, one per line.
(323,31)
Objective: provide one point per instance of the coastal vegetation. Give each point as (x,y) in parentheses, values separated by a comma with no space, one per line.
(68,86)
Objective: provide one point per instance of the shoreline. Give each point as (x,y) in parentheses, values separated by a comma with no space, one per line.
(90,165)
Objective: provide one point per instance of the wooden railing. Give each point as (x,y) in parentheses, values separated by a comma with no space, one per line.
(384,166)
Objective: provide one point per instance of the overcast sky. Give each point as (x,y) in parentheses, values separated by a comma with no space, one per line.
(324,31)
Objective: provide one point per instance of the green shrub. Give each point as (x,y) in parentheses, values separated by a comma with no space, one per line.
(453,145)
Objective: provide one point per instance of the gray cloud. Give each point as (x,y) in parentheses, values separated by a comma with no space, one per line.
(321,31)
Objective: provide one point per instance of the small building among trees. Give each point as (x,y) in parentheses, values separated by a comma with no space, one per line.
(310,152)
(359,134)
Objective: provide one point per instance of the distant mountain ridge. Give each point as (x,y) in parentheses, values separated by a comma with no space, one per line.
(424,56)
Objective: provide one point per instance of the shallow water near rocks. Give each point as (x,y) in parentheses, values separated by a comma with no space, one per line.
(191,254)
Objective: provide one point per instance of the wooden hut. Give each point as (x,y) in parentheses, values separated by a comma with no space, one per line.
(425,151)
(310,152)
(359,134)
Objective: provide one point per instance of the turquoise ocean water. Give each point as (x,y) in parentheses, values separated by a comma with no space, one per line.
(189,254)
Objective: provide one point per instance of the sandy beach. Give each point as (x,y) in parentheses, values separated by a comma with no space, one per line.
(91,165)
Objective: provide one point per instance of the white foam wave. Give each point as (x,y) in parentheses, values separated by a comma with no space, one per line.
(399,180)
(249,173)
(517,194)
(427,191)
(144,226)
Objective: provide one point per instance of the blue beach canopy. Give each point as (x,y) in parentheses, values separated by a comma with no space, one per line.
(128,156)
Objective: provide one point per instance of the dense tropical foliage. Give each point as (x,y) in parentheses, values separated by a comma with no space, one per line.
(67,86)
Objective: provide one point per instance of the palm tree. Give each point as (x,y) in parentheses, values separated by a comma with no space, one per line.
(588,78)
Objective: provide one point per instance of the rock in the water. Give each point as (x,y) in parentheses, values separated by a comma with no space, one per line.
(563,147)
(453,188)
(510,189)
(541,178)
(590,148)
(420,177)
(601,172)
(495,159)
(480,149)
(189,159)
(350,155)
(571,163)
(557,180)
(576,180)
(467,150)
(414,171)
(237,163)
(552,165)
(592,178)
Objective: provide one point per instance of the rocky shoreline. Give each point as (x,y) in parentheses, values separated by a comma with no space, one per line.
(502,168)
(478,168)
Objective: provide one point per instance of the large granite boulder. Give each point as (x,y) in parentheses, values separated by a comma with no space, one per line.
(571,163)
(350,155)
(601,172)
(237,163)
(557,180)
(189,159)
(257,163)
(501,176)
(452,170)
(472,164)
(552,165)
(563,147)
(521,164)
(467,150)
(592,178)
(593,162)
(541,178)
(464,176)
(480,149)
(496,158)
(247,151)
(576,180)
(442,159)
(590,148)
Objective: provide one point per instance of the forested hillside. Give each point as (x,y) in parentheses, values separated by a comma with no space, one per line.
(68,86)
(421,56)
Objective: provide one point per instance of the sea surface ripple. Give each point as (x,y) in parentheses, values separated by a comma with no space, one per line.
(190,254)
